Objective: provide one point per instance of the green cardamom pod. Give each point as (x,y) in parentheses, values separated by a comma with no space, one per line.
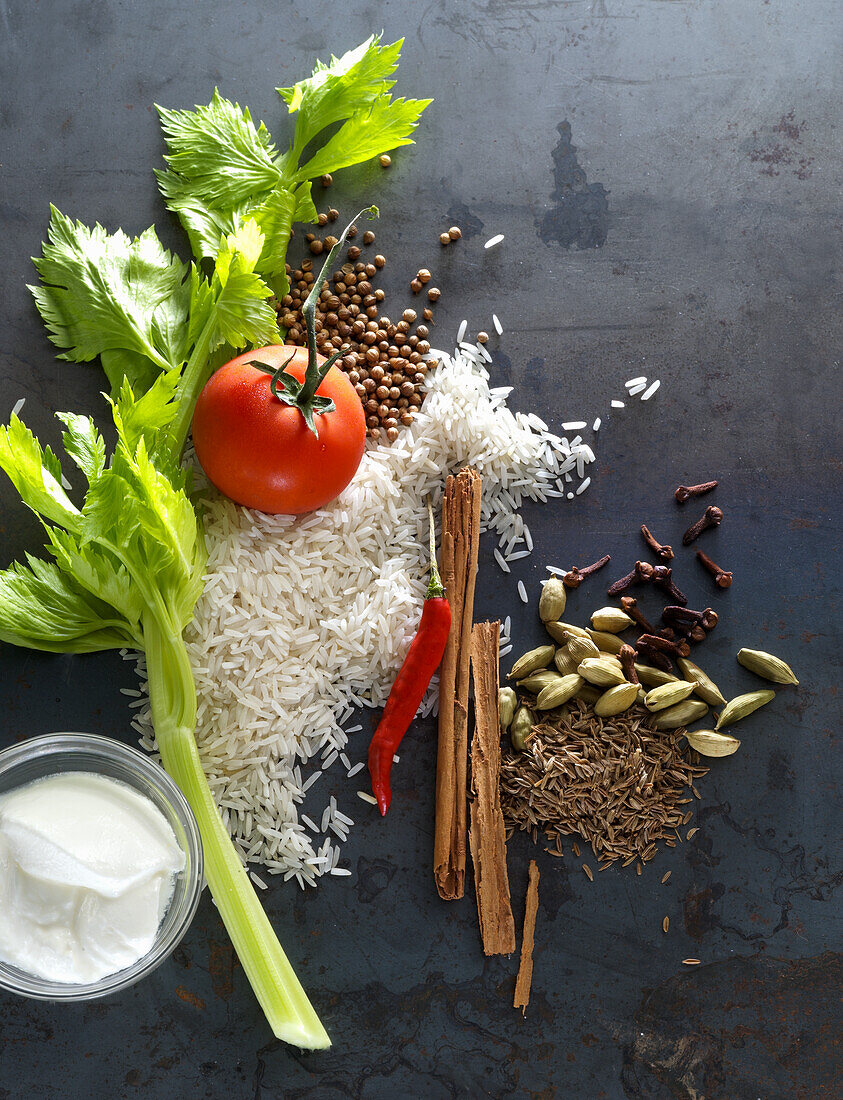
(540,657)
(538,680)
(616,700)
(611,619)
(666,695)
(602,671)
(556,694)
(519,731)
(588,694)
(742,705)
(581,648)
(507,702)
(766,665)
(552,600)
(652,677)
(689,710)
(710,743)
(704,686)
(564,661)
(609,643)
(560,632)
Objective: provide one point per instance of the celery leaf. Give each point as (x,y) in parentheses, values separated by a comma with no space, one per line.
(386,124)
(104,292)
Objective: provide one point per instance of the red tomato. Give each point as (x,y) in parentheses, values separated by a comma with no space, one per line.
(260,452)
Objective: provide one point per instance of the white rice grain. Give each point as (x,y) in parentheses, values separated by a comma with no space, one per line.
(522,592)
(492,241)
(650,391)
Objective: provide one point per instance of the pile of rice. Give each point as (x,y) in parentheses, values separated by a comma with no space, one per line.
(303,620)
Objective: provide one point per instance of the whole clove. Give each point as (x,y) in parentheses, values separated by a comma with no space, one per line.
(711,517)
(630,606)
(663,553)
(722,578)
(642,572)
(653,656)
(627,656)
(685,492)
(662,577)
(665,645)
(684,618)
(575,576)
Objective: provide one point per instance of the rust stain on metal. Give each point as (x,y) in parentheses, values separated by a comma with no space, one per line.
(221,963)
(738,1028)
(189,998)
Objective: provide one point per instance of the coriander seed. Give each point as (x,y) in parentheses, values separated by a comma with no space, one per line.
(434,294)
(455,232)
(444,239)
(385,160)
(327,179)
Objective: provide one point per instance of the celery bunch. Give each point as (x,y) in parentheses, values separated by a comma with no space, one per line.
(125,568)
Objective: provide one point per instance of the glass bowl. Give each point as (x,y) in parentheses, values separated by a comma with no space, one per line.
(39,757)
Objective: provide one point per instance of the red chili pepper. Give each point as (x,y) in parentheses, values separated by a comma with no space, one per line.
(422,660)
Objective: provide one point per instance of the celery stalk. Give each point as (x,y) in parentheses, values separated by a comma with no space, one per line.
(173,697)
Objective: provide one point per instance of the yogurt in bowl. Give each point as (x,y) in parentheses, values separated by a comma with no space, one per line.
(100,866)
(87,873)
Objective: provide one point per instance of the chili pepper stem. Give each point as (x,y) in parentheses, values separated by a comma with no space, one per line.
(435,586)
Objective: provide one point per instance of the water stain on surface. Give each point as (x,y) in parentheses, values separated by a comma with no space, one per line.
(373,876)
(470,225)
(579,215)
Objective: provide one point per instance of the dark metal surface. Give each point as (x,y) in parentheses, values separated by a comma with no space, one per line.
(666,174)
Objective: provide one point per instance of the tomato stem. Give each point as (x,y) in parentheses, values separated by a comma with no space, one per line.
(305,398)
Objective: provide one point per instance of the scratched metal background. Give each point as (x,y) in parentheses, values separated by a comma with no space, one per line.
(667,177)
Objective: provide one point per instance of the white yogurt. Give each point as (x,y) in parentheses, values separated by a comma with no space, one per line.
(87,868)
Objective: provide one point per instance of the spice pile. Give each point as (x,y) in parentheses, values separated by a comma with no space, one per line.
(593,752)
(384,359)
(617,782)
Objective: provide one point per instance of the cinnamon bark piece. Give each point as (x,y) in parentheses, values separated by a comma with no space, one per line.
(487,835)
(460,541)
(525,970)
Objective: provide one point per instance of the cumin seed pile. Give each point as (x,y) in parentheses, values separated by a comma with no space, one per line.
(617,782)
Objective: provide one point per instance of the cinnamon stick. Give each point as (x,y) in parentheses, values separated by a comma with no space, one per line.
(460,539)
(487,835)
(525,970)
